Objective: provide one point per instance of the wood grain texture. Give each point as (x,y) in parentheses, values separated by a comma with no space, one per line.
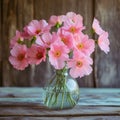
(8,28)
(88,96)
(63,118)
(15,16)
(8,21)
(76,111)
(0,30)
(29,102)
(0,43)
(108,66)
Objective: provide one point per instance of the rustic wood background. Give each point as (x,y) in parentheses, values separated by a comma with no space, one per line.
(14,14)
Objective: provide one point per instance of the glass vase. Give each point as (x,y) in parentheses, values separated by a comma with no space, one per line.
(61,92)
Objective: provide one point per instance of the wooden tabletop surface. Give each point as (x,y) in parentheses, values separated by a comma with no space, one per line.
(27,104)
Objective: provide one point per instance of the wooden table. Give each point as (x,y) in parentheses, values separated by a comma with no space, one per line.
(25,104)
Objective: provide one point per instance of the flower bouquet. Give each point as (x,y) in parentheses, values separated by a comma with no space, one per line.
(64,44)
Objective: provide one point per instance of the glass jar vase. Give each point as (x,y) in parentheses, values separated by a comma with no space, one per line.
(61,92)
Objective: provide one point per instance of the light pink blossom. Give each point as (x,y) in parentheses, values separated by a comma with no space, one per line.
(54,20)
(47,39)
(18,57)
(62,40)
(96,27)
(66,38)
(74,17)
(18,38)
(80,65)
(58,54)
(39,41)
(103,42)
(73,23)
(25,33)
(36,54)
(85,45)
(36,27)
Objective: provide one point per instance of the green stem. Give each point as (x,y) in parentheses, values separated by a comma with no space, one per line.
(59,90)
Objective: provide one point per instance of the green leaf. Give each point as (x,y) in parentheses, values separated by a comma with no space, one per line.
(33,40)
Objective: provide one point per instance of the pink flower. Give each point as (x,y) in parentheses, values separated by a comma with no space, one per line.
(80,65)
(73,23)
(25,33)
(47,39)
(37,27)
(62,40)
(17,39)
(18,57)
(96,27)
(85,45)
(58,54)
(66,38)
(36,54)
(39,41)
(103,42)
(54,20)
(73,16)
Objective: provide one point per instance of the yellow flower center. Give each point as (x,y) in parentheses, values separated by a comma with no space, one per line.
(20,57)
(72,30)
(80,46)
(79,64)
(57,53)
(37,31)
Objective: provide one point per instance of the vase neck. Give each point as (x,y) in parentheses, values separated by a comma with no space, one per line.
(62,72)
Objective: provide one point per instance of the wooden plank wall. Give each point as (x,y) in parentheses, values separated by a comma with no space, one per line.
(108,66)
(0,44)
(17,13)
